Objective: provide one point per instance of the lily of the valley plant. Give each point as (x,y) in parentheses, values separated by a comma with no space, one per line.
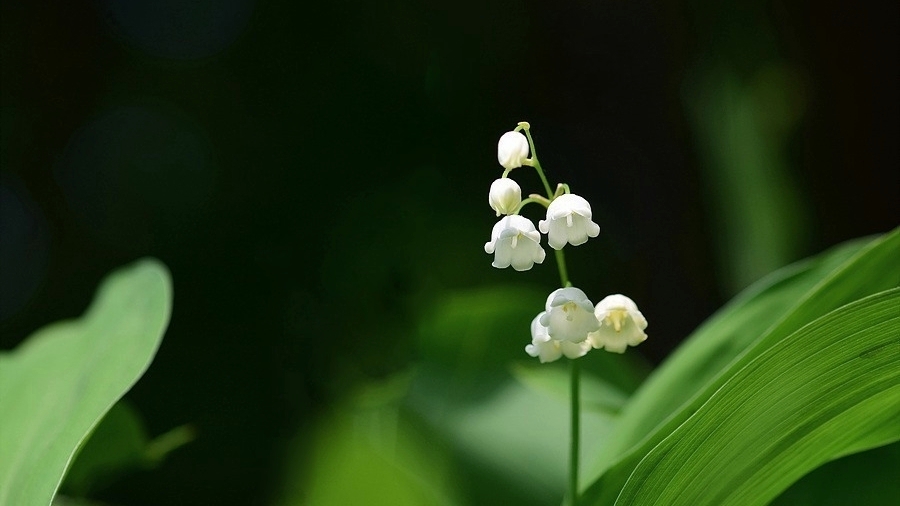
(570,324)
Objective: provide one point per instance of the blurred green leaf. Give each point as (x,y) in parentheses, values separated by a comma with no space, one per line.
(869,477)
(742,127)
(596,394)
(479,328)
(119,444)
(516,432)
(367,453)
(57,385)
(829,389)
(115,444)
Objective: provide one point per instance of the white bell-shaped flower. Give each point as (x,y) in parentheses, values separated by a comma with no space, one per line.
(512,150)
(515,241)
(569,315)
(548,349)
(505,196)
(621,324)
(568,221)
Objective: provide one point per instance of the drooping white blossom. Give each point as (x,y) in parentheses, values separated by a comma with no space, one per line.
(515,241)
(548,349)
(512,150)
(621,324)
(505,196)
(568,221)
(569,315)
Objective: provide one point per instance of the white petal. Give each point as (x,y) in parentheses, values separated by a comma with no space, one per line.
(539,331)
(502,255)
(574,350)
(547,351)
(522,259)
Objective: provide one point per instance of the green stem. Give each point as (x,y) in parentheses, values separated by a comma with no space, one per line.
(540,200)
(573,449)
(561,265)
(576,399)
(537,165)
(575,380)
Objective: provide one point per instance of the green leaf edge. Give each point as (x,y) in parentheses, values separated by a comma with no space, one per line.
(45,335)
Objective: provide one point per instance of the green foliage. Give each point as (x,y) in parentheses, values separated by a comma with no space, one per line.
(829,389)
(863,478)
(118,444)
(368,452)
(759,377)
(57,385)
(801,369)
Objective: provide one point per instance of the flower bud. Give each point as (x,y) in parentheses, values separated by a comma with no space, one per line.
(512,150)
(505,196)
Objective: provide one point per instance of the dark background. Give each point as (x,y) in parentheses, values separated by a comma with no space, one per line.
(314,175)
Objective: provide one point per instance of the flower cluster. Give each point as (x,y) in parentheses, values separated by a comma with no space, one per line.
(570,324)
(514,240)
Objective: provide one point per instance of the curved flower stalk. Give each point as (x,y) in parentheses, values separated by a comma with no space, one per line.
(568,221)
(621,324)
(515,241)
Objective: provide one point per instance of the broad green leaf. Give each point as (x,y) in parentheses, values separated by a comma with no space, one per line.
(57,385)
(829,389)
(766,312)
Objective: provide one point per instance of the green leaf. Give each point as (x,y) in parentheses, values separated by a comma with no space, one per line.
(829,389)
(57,385)
(760,316)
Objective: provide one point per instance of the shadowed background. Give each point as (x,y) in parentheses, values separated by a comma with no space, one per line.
(315,178)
